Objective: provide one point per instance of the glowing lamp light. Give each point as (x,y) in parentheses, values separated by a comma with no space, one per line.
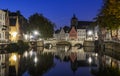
(14,34)
(90,32)
(26,54)
(36,32)
(31,37)
(26,37)
(96,54)
(14,57)
(31,53)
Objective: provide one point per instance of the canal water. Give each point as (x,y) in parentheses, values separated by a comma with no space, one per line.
(58,61)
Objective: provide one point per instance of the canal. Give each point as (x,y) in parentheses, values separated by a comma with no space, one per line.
(58,61)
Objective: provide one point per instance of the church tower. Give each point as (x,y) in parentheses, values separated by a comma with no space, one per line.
(74,21)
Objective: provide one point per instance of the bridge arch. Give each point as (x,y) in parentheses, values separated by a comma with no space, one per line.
(60,42)
(48,45)
(78,45)
(63,43)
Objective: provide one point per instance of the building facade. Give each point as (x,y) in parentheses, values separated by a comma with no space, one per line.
(73,33)
(4,27)
(17,25)
(81,34)
(62,34)
(14,29)
(84,29)
(79,30)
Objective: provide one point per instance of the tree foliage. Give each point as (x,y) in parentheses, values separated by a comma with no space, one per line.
(22,46)
(109,15)
(43,25)
(66,28)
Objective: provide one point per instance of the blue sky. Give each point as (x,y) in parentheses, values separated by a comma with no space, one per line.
(58,11)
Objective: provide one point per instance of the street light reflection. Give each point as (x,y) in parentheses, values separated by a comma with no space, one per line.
(31,53)
(36,32)
(25,54)
(90,60)
(35,59)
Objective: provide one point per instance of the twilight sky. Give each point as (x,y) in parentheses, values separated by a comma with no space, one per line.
(58,11)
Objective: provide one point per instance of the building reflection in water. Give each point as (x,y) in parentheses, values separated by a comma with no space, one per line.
(38,63)
(4,64)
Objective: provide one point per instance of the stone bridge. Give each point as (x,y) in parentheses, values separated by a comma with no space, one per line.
(55,42)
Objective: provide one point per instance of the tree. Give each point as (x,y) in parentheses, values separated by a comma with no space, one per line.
(66,28)
(22,47)
(109,15)
(42,24)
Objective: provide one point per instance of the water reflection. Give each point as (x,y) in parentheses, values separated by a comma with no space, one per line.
(36,65)
(3,64)
(49,59)
(57,61)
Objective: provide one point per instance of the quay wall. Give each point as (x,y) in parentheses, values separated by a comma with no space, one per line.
(108,45)
(112,46)
(88,44)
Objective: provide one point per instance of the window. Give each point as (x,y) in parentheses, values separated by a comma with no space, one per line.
(6,35)
(3,17)
(0,16)
(0,35)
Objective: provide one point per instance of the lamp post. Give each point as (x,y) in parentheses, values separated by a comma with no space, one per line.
(90,34)
(36,34)
(31,35)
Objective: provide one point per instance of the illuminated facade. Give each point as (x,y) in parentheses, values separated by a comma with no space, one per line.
(14,29)
(17,22)
(82,28)
(79,30)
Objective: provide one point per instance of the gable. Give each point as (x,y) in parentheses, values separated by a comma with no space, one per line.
(73,30)
(62,31)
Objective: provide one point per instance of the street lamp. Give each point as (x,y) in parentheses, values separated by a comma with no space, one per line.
(36,32)
(90,33)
